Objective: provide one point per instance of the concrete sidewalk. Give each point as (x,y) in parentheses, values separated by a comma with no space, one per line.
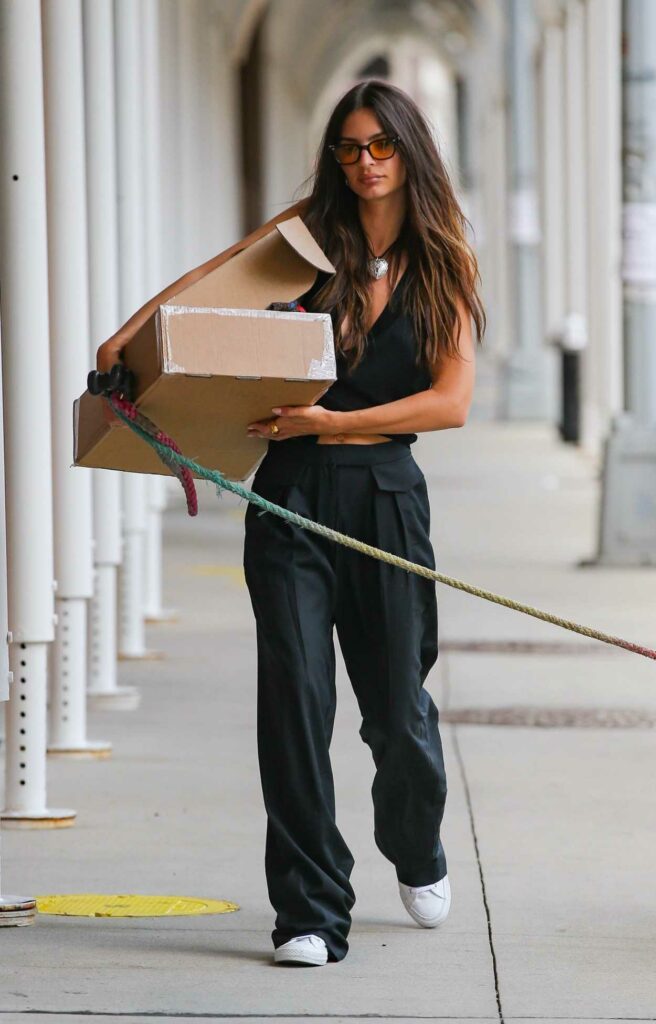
(549,832)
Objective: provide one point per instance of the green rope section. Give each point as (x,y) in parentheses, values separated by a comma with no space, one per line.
(222,483)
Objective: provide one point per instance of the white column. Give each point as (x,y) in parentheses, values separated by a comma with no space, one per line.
(284,118)
(226,161)
(496,231)
(603,377)
(155,280)
(131,576)
(486,127)
(221,146)
(132,291)
(575,327)
(6,676)
(14,910)
(627,521)
(189,132)
(28,452)
(530,371)
(156,499)
(553,173)
(69,327)
(205,106)
(639,211)
(103,690)
(576,154)
(170,185)
(199,107)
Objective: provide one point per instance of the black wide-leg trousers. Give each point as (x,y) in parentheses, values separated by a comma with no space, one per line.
(301,585)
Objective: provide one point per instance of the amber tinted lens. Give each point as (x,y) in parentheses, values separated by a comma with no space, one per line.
(346,154)
(382,149)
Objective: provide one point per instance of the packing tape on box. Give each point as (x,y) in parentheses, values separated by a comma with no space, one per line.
(318,369)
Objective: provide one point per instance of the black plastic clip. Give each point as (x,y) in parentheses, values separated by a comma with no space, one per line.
(119,379)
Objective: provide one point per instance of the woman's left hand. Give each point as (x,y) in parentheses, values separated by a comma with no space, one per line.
(294,420)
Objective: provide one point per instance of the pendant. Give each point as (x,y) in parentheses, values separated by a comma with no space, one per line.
(378,267)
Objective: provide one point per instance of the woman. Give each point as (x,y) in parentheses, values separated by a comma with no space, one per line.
(383,210)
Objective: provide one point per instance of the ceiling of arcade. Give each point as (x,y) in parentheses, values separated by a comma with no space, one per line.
(357,28)
(312,39)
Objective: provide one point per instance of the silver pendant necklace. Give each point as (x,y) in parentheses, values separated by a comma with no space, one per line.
(378,265)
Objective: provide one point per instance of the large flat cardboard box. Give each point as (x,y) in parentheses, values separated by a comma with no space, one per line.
(213,359)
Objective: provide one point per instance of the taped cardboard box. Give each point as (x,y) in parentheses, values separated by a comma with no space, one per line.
(213,359)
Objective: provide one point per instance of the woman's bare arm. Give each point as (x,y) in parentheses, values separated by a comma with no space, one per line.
(110,351)
(444,404)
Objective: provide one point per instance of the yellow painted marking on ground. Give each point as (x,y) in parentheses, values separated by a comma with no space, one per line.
(231,572)
(85,904)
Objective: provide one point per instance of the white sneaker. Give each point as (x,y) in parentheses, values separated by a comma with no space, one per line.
(304,949)
(428,905)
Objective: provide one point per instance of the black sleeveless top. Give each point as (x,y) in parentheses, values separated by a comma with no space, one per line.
(387,371)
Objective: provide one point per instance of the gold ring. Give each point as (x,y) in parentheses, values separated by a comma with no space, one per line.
(275,429)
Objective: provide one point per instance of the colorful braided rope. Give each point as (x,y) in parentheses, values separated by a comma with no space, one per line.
(149,433)
(185,477)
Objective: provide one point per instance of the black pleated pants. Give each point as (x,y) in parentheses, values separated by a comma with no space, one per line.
(301,585)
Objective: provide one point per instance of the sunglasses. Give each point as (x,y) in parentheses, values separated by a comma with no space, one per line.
(379,149)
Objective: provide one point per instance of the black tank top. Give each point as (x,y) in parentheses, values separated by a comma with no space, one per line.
(387,371)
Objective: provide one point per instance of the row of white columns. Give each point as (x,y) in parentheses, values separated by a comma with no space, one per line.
(61,298)
(577,56)
(595,64)
(589,252)
(545,87)
(108,191)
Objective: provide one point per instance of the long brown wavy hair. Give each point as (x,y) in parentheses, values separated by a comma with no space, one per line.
(441,264)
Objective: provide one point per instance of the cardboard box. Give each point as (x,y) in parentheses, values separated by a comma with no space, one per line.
(213,359)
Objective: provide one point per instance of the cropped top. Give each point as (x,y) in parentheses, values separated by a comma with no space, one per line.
(387,370)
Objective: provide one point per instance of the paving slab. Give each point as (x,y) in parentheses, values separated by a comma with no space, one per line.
(566,831)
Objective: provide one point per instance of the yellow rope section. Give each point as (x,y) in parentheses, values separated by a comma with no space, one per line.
(432,574)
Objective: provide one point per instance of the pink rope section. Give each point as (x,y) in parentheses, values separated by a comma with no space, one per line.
(636,648)
(130,410)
